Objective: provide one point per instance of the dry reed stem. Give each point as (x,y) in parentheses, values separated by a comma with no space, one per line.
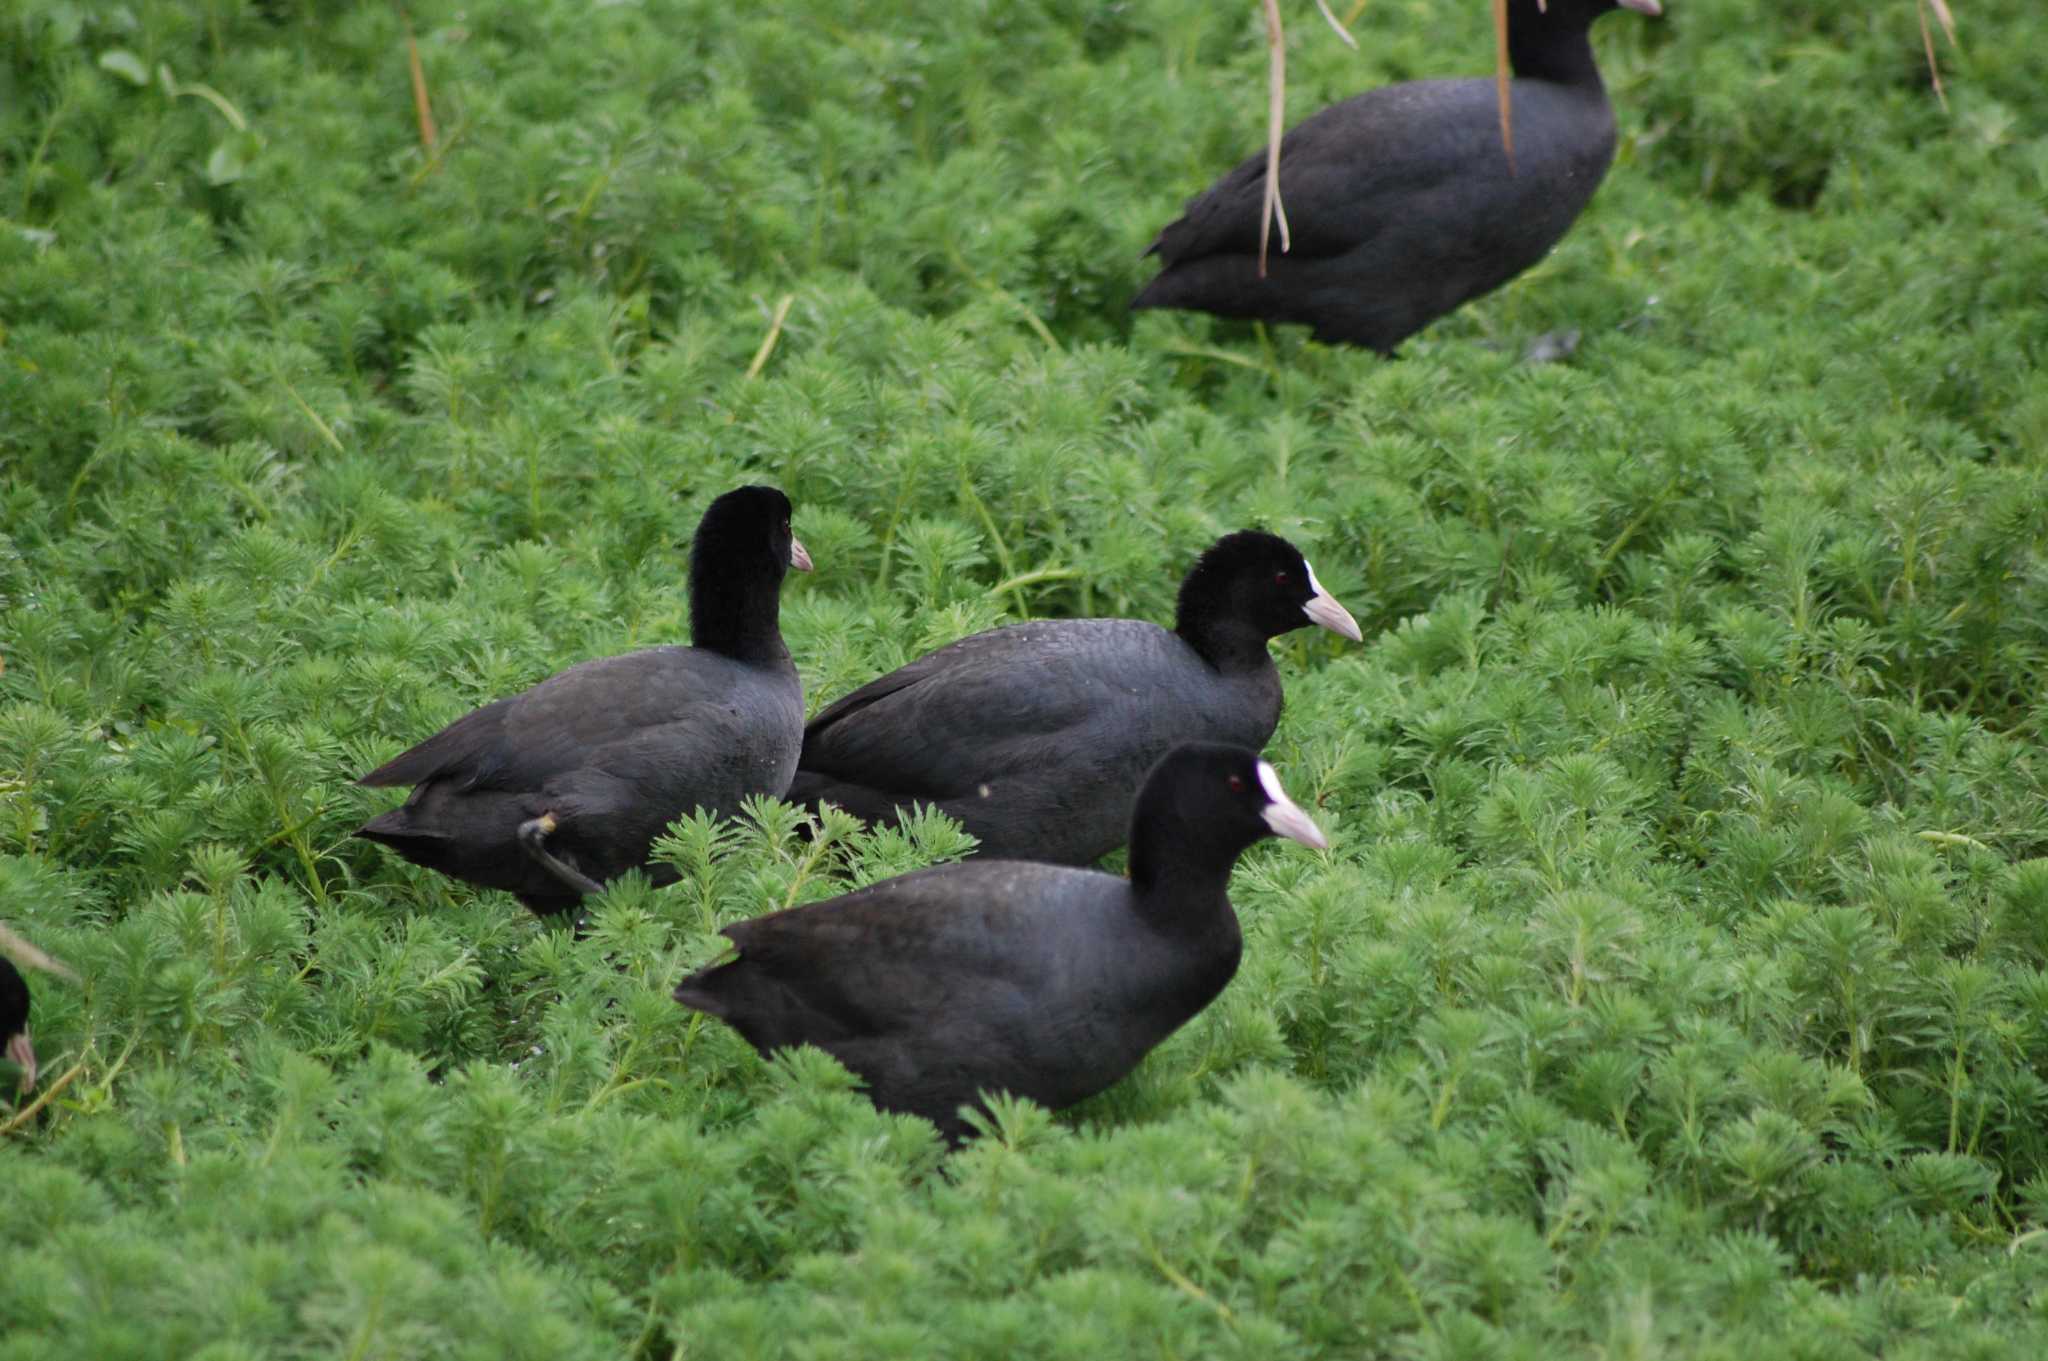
(782,307)
(43,1098)
(1276,118)
(21,952)
(422,103)
(1340,30)
(1948,27)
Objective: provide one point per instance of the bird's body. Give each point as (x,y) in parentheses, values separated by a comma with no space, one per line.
(614,749)
(1036,736)
(1403,202)
(15,1041)
(1000,975)
(1039,980)
(551,793)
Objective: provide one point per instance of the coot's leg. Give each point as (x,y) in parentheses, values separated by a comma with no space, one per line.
(533,834)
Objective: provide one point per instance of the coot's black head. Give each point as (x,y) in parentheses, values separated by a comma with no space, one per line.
(743,549)
(746,533)
(1548,41)
(1202,805)
(1258,583)
(14,1037)
(1572,14)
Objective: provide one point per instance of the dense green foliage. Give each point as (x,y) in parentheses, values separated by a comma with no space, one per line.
(1678,983)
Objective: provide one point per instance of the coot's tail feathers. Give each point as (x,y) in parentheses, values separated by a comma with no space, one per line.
(718,989)
(1148,296)
(1230,286)
(768,1012)
(806,799)
(697,993)
(1226,285)
(806,790)
(397,830)
(1194,287)
(1221,220)
(811,790)
(1176,242)
(455,747)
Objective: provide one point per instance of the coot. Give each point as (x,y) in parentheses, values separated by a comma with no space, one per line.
(1401,201)
(552,792)
(1001,975)
(1035,736)
(14,1036)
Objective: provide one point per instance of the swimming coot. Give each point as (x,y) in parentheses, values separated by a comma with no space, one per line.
(552,792)
(1035,736)
(1005,976)
(1401,201)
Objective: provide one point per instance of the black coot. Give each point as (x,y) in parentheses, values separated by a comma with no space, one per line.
(1035,736)
(1401,200)
(552,792)
(14,1036)
(1000,975)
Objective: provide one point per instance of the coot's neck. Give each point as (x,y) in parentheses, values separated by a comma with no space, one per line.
(1232,648)
(1211,623)
(738,618)
(1542,47)
(1180,877)
(1182,901)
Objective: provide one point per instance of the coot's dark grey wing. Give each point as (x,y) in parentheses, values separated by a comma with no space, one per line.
(937,727)
(958,945)
(990,652)
(1349,171)
(1332,167)
(453,750)
(519,743)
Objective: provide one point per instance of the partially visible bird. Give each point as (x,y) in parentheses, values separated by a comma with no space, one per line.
(14,1033)
(1039,980)
(1036,736)
(553,792)
(1403,202)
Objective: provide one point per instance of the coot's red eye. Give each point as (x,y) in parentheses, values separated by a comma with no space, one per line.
(1237,784)
(1279,578)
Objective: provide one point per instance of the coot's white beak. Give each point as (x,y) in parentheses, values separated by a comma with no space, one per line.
(1649,7)
(23,1053)
(799,558)
(1285,817)
(1323,608)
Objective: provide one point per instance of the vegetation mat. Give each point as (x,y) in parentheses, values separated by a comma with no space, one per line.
(1677,985)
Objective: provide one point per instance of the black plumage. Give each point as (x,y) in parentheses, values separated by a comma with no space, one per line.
(1006,976)
(1035,736)
(553,792)
(1402,202)
(15,1040)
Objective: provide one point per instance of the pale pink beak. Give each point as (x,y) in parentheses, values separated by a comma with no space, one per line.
(24,1053)
(799,558)
(1649,7)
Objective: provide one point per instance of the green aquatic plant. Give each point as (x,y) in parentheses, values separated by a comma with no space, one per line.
(1675,983)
